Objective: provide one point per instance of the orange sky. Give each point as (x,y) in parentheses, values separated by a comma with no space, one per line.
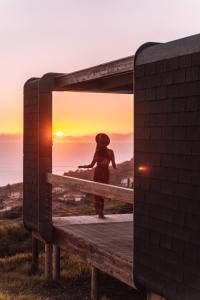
(88,113)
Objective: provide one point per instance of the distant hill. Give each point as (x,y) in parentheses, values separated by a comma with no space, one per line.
(124,170)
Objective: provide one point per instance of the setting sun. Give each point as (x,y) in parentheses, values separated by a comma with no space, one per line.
(59,134)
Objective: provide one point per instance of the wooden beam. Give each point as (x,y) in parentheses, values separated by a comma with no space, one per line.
(35,255)
(56,262)
(48,261)
(94,283)
(108,69)
(120,83)
(95,188)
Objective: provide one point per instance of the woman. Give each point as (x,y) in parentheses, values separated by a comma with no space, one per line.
(102,157)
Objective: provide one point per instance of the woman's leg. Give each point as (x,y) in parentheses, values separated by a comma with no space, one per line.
(101,174)
(99,205)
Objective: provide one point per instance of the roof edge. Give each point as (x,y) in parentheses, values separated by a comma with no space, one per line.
(169,50)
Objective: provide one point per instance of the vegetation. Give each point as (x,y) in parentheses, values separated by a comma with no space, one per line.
(124,170)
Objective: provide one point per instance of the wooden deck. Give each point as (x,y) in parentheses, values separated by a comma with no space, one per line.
(106,244)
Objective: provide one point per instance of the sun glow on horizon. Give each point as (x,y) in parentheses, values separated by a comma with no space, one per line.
(86,114)
(59,134)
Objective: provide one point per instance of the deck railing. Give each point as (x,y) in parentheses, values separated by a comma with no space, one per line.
(95,188)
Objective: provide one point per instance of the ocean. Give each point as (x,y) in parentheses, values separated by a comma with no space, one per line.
(66,156)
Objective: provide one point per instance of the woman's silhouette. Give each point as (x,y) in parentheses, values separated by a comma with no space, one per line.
(102,157)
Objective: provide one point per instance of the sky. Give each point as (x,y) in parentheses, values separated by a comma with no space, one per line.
(62,36)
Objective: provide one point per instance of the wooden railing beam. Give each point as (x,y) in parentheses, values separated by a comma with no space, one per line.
(95,188)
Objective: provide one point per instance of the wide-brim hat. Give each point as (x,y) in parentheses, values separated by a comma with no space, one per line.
(102,139)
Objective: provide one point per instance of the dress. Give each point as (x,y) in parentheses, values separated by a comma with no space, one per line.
(101,174)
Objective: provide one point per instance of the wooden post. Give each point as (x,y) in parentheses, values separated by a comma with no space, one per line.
(56,262)
(35,255)
(94,283)
(152,296)
(48,261)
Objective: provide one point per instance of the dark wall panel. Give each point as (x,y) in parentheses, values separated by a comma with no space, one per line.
(30,155)
(167,177)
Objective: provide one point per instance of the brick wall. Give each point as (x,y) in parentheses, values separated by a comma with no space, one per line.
(167,198)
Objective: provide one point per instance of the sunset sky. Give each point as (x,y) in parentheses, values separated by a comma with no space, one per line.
(63,36)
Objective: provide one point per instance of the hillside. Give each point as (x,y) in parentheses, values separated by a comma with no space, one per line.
(65,198)
(124,170)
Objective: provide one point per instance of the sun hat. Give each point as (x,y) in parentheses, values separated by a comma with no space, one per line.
(102,139)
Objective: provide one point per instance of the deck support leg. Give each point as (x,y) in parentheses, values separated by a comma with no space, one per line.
(152,296)
(94,283)
(56,262)
(48,261)
(35,255)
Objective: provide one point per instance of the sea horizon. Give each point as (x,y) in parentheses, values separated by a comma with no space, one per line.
(66,157)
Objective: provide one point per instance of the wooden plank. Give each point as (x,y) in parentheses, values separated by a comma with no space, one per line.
(48,261)
(108,247)
(36,235)
(105,190)
(56,262)
(121,83)
(94,283)
(72,220)
(35,255)
(108,69)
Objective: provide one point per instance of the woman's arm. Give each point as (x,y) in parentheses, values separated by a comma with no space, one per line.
(113,159)
(91,165)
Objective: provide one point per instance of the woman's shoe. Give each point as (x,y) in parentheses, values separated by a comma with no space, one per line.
(101,216)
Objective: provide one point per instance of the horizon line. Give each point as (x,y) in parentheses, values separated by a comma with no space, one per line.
(114,136)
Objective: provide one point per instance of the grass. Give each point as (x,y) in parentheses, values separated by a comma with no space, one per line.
(14,238)
(18,283)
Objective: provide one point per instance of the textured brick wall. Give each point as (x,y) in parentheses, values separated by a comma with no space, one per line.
(167,199)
